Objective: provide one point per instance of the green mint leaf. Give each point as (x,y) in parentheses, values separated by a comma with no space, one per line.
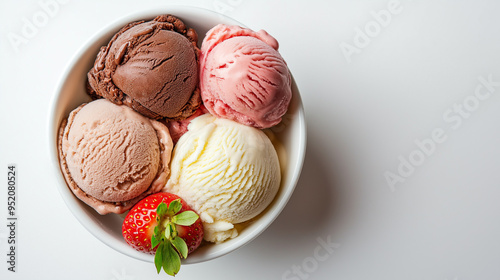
(159,257)
(185,218)
(181,246)
(161,210)
(171,260)
(174,207)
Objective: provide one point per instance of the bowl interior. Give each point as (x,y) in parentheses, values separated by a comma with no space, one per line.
(290,133)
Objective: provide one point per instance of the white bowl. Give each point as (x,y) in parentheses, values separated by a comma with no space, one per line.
(71,93)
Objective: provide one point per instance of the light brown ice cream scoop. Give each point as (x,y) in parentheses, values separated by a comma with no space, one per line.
(152,67)
(111,156)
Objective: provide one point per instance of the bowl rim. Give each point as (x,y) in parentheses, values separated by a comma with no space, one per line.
(53,127)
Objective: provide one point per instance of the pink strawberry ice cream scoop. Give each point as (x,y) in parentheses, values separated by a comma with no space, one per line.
(243,77)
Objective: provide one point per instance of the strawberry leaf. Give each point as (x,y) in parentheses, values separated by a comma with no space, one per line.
(174,207)
(159,257)
(157,232)
(161,210)
(155,240)
(168,230)
(181,246)
(185,218)
(173,229)
(171,259)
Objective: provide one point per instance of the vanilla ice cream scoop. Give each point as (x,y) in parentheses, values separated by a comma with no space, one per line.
(227,172)
(111,156)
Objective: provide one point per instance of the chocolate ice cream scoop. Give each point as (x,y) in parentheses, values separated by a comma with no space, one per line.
(152,67)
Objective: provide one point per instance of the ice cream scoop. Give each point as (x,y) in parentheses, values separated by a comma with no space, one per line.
(111,156)
(180,127)
(243,77)
(227,172)
(150,66)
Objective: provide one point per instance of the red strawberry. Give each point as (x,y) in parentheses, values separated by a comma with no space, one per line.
(164,225)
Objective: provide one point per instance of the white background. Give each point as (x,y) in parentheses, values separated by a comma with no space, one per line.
(365,112)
